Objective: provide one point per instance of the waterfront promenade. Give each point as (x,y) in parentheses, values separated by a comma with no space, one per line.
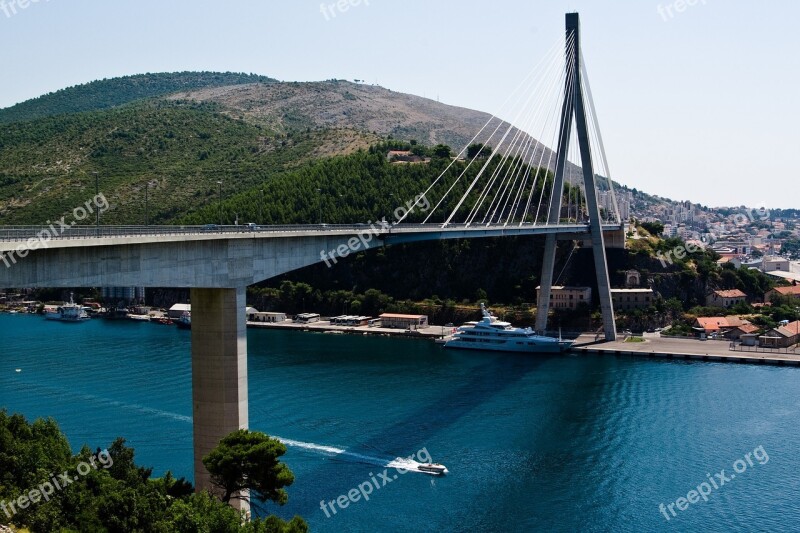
(652,344)
(656,346)
(324,326)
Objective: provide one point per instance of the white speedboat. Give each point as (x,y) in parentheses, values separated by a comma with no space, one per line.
(495,335)
(435,469)
(70,312)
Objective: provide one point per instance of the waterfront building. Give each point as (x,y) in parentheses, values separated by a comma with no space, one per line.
(782,336)
(738,332)
(719,324)
(627,299)
(177,310)
(397,321)
(267,317)
(562,297)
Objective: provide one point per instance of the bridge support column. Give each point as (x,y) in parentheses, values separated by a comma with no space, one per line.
(219,373)
(546,285)
(574,107)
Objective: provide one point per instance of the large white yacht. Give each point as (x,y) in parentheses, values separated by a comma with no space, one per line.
(496,335)
(70,312)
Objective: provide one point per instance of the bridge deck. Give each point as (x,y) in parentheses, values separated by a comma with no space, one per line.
(57,236)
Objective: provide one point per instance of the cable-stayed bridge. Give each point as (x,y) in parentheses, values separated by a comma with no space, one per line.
(532,175)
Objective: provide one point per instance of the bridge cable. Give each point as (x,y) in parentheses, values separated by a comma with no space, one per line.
(601,145)
(478,177)
(523,167)
(521,154)
(457,158)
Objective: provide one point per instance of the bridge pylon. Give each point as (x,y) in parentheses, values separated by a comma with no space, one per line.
(574,109)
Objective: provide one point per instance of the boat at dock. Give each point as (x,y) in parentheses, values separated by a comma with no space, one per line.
(493,334)
(68,312)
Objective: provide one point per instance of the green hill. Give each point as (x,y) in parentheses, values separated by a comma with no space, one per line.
(181,149)
(104,94)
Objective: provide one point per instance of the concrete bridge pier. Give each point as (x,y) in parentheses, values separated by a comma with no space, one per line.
(219,373)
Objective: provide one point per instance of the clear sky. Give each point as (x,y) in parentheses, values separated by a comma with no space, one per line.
(695,104)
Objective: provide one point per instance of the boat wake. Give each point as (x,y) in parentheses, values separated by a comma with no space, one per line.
(399,463)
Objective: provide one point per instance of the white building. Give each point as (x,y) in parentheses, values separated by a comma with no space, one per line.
(568,297)
(775,263)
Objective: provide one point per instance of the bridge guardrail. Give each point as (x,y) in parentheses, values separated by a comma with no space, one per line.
(56,231)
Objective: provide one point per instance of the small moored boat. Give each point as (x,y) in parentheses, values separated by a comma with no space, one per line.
(70,312)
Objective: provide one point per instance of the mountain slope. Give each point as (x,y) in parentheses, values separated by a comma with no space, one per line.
(105,94)
(342,104)
(243,134)
(181,150)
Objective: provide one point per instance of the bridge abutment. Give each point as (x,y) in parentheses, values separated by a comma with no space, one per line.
(219,373)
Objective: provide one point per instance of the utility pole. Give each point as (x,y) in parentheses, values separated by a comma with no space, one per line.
(261,209)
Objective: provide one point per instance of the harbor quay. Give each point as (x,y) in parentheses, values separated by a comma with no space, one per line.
(651,345)
(325,326)
(655,346)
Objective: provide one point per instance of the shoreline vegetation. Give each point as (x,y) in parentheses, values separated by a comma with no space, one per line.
(112,493)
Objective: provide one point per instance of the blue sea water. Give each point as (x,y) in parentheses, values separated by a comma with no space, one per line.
(567,443)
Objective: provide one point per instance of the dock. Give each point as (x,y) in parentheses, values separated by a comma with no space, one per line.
(324,326)
(651,346)
(655,346)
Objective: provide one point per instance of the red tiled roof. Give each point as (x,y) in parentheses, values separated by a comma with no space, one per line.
(733,293)
(715,323)
(794,290)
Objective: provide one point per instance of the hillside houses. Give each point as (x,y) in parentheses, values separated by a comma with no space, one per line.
(726,299)
(783,336)
(792,291)
(718,325)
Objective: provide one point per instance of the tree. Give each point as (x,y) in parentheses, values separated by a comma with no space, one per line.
(418,150)
(479,150)
(442,150)
(653,228)
(246,460)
